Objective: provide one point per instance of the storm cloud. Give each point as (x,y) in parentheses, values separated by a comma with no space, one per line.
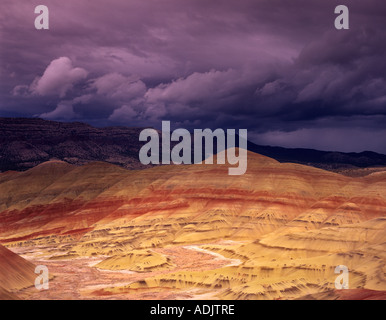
(278,68)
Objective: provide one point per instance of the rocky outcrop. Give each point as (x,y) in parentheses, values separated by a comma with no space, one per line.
(25,143)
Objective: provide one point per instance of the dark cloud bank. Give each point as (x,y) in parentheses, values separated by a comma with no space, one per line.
(278,68)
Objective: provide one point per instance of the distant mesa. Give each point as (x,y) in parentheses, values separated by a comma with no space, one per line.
(27,142)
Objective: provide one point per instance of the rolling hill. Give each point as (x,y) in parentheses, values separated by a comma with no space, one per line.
(191,231)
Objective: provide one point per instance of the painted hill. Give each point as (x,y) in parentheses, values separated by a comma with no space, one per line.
(15,273)
(277,231)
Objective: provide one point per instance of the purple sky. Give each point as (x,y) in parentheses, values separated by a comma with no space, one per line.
(277,68)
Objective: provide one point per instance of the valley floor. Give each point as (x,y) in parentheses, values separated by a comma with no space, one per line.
(78,278)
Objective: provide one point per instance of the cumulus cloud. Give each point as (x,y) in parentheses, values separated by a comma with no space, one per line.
(331,81)
(123,114)
(117,86)
(196,87)
(59,77)
(64,111)
(21,90)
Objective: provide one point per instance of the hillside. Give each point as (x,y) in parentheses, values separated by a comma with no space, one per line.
(16,273)
(170,232)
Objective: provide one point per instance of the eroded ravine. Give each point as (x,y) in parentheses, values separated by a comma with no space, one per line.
(78,278)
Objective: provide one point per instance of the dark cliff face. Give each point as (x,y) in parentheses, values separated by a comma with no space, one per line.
(25,143)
